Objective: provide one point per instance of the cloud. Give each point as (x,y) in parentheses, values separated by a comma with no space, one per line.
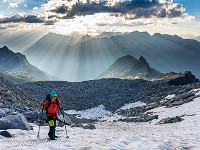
(35,8)
(23,18)
(2,16)
(13,5)
(129,9)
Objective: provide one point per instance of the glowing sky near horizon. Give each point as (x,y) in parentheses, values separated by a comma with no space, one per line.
(94,16)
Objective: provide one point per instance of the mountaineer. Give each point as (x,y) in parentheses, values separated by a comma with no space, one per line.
(51,105)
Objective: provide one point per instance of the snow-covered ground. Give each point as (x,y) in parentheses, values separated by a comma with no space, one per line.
(108,135)
(101,113)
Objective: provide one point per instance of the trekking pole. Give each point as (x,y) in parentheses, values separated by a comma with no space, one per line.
(65,126)
(40,124)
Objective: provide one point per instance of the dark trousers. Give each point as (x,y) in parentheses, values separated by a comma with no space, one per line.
(52,126)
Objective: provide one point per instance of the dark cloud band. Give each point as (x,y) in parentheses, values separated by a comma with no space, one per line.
(136,8)
(26,19)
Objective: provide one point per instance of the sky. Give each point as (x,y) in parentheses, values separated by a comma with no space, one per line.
(181,17)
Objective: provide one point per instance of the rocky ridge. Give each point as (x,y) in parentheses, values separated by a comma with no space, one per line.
(16,68)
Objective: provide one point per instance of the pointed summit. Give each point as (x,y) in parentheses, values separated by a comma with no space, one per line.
(5,47)
(142,59)
(141,63)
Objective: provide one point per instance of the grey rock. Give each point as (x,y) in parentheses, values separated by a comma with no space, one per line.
(5,134)
(6,110)
(31,115)
(170,120)
(11,99)
(2,113)
(89,126)
(1,104)
(184,95)
(142,118)
(14,122)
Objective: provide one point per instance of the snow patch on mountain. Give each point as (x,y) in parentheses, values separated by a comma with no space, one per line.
(169,96)
(133,105)
(93,113)
(189,111)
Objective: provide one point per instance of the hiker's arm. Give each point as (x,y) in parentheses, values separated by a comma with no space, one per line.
(61,109)
(42,106)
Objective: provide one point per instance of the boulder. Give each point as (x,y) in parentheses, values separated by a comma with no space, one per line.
(5,134)
(184,95)
(170,120)
(14,122)
(31,115)
(1,104)
(89,126)
(2,113)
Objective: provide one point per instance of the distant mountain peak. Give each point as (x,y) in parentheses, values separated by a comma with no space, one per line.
(5,47)
(129,67)
(141,63)
(121,61)
(16,68)
(126,57)
(142,59)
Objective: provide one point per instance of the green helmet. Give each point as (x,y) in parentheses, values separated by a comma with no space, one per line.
(53,93)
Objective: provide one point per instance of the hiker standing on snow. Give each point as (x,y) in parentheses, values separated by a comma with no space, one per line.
(51,105)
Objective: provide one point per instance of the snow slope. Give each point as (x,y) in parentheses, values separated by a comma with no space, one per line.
(108,135)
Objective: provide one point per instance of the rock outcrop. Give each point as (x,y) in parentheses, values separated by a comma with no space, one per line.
(14,122)
(185,78)
(170,120)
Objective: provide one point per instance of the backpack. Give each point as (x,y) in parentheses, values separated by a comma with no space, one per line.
(48,98)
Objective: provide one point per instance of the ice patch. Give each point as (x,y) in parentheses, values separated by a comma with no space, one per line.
(132,105)
(170,96)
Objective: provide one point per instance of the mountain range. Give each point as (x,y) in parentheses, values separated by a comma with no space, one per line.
(79,61)
(16,68)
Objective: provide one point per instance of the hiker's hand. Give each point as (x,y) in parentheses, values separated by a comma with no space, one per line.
(62,110)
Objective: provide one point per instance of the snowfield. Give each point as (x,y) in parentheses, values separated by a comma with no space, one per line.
(109,135)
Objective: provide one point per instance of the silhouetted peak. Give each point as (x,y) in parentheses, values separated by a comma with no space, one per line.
(9,59)
(137,33)
(141,63)
(5,47)
(142,60)
(5,51)
(127,58)
(167,36)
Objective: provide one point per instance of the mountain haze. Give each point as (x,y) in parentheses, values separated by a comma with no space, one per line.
(20,41)
(86,60)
